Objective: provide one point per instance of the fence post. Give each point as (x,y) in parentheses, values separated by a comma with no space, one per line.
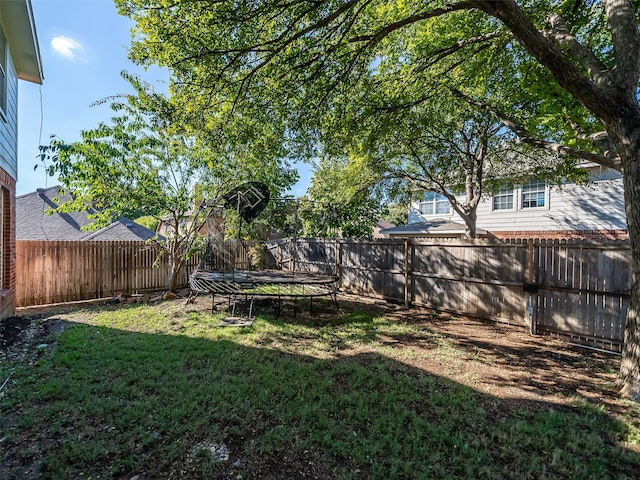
(407,277)
(338,254)
(336,257)
(530,265)
(533,296)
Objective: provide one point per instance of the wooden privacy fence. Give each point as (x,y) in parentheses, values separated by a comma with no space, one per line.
(65,271)
(583,291)
(578,289)
(573,288)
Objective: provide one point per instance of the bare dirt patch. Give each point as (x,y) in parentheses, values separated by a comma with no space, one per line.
(505,361)
(20,336)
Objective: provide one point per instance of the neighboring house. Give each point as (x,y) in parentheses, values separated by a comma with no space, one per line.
(215,219)
(19,59)
(530,210)
(380,226)
(36,222)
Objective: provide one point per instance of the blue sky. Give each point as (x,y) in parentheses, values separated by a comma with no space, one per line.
(83,44)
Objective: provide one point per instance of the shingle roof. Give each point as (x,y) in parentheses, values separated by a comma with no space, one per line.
(383,225)
(34,223)
(122,229)
(436,227)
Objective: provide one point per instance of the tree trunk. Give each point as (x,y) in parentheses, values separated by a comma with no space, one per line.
(172,281)
(175,264)
(629,149)
(470,223)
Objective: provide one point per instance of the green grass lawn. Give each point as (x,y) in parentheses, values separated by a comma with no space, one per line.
(159,392)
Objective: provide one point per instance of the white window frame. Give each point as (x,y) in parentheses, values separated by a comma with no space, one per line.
(505,192)
(540,189)
(438,199)
(518,193)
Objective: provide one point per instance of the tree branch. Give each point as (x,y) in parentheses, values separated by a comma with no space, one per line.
(560,35)
(460,44)
(524,136)
(582,88)
(392,27)
(626,43)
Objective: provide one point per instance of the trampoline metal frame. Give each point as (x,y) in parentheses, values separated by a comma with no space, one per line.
(249,200)
(264,283)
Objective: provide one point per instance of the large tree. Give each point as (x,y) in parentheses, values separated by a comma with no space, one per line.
(571,67)
(460,151)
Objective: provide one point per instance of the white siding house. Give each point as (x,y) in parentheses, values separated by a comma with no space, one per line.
(19,60)
(535,209)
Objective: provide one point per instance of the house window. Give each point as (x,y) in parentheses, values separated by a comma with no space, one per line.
(533,194)
(435,204)
(3,73)
(503,198)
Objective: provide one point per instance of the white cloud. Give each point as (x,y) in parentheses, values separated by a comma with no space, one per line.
(65,46)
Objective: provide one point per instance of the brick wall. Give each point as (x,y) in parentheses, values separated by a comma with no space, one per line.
(8,277)
(560,234)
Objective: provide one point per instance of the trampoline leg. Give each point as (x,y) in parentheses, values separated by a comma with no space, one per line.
(191,296)
(335,299)
(311,306)
(213,302)
(233,311)
(250,308)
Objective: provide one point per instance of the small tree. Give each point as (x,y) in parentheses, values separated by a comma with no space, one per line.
(138,165)
(341,200)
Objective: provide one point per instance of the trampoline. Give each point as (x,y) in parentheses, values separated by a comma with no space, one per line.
(262,282)
(217,273)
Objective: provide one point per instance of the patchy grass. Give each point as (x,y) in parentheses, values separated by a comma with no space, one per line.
(163,392)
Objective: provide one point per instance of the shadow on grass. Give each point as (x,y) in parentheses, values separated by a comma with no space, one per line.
(550,367)
(111,403)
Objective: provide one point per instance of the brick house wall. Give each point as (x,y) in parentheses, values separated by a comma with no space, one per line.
(8,267)
(564,234)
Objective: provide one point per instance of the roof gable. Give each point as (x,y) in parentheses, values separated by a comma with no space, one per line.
(34,221)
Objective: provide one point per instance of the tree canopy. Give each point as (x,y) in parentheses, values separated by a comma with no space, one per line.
(295,63)
(343,201)
(563,74)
